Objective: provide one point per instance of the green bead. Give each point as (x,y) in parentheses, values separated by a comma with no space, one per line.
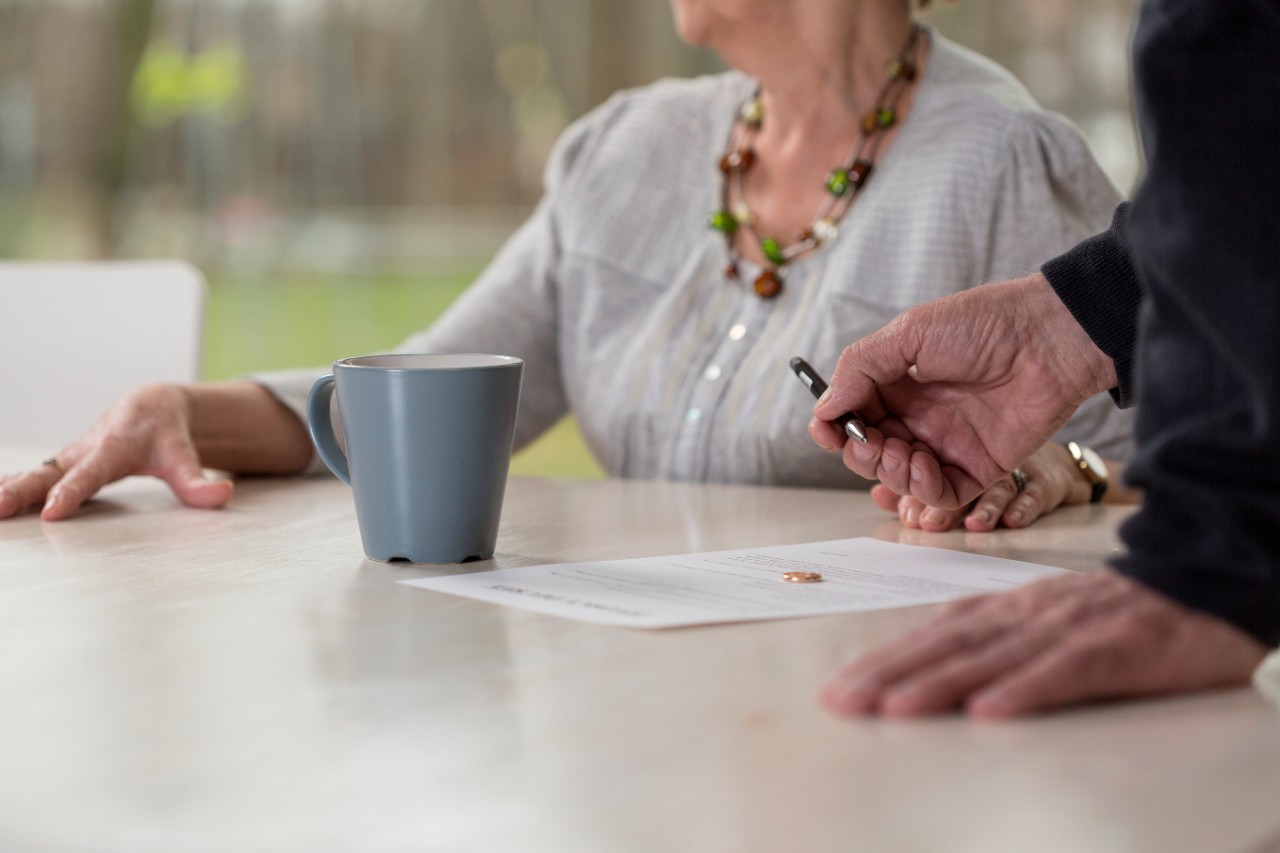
(723,221)
(885,116)
(838,182)
(772,250)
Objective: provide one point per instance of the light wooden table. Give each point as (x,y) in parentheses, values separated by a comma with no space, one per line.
(185,680)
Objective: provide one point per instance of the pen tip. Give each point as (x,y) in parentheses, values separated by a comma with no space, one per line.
(796,361)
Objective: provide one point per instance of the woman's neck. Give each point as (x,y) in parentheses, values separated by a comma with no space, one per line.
(822,73)
(817,81)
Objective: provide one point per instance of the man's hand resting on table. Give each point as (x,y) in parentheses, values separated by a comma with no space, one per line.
(1055,642)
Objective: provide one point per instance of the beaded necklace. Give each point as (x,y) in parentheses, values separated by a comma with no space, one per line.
(842,184)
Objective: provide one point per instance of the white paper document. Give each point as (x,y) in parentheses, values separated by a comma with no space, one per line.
(736,586)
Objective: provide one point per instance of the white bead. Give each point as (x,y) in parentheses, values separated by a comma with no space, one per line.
(743,214)
(824,231)
(752,112)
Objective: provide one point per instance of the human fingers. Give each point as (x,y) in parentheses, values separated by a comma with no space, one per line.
(1052,479)
(1142,649)
(105,463)
(947,683)
(913,469)
(858,687)
(991,506)
(950,486)
(1035,500)
(909,510)
(885,498)
(912,511)
(827,435)
(863,457)
(175,461)
(178,464)
(880,358)
(1075,670)
(22,491)
(937,520)
(894,466)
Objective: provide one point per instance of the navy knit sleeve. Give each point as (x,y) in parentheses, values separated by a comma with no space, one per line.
(1204,234)
(1099,285)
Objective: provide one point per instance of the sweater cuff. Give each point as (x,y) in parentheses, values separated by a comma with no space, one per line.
(1099,285)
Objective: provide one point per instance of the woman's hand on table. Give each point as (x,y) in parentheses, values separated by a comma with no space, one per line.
(171,432)
(1052,480)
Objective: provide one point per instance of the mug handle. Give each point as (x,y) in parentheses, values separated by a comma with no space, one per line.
(320,425)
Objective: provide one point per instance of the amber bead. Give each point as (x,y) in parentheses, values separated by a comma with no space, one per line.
(869,122)
(768,285)
(901,69)
(858,172)
(731,271)
(737,161)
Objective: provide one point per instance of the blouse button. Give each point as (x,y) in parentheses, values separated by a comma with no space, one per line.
(712,373)
(737,332)
(693,415)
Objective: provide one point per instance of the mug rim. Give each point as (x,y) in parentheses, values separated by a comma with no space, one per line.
(492,360)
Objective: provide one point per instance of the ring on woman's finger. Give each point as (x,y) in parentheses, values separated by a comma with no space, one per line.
(1019,479)
(53,463)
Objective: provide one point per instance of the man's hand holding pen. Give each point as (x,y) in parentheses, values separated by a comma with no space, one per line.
(953,405)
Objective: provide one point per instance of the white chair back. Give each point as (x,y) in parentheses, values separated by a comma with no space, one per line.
(76,336)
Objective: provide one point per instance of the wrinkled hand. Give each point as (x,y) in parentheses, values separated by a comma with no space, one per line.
(958,391)
(1055,642)
(148,431)
(1053,480)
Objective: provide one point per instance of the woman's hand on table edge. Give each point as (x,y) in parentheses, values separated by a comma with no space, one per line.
(171,432)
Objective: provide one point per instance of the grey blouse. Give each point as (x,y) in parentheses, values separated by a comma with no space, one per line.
(613,291)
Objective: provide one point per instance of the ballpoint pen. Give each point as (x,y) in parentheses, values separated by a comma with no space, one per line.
(850,422)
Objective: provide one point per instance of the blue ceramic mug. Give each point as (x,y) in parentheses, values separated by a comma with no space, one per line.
(428,443)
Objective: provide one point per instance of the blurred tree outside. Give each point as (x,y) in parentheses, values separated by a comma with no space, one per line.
(341,169)
(130,36)
(169,84)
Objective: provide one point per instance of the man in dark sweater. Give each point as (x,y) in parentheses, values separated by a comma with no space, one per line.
(1176,309)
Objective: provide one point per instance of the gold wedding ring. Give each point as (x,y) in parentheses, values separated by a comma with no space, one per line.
(801,577)
(53,463)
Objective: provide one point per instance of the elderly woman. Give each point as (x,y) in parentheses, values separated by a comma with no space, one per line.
(854,163)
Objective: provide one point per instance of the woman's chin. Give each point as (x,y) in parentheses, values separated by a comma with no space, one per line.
(691,32)
(691,22)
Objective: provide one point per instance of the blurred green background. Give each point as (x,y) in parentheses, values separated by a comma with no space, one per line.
(341,170)
(311,320)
